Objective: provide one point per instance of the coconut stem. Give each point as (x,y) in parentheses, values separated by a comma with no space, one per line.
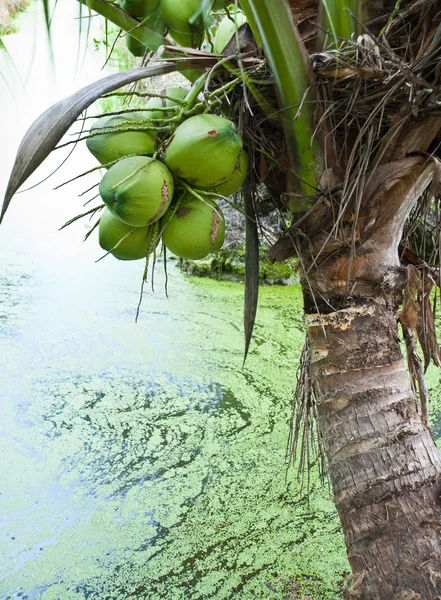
(195,90)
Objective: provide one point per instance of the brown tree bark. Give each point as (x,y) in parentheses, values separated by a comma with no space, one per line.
(384,466)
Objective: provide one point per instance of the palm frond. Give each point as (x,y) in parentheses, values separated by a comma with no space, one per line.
(45,133)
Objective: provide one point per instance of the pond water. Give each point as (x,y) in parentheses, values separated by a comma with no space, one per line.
(141,460)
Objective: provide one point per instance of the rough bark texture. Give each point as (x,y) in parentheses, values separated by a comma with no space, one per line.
(384,465)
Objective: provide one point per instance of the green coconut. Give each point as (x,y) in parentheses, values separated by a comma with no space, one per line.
(112,145)
(177,14)
(155,22)
(236,180)
(196,229)
(137,190)
(157,103)
(139,8)
(112,232)
(192,39)
(204,150)
(227,30)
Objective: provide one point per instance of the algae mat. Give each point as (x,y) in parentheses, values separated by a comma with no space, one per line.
(142,461)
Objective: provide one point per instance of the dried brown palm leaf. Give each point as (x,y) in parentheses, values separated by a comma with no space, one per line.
(45,133)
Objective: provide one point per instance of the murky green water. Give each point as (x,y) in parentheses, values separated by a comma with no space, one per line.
(142,461)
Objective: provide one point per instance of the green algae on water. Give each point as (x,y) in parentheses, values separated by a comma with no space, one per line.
(154,466)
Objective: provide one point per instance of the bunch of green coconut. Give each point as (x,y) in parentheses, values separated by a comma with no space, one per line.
(183,20)
(165,188)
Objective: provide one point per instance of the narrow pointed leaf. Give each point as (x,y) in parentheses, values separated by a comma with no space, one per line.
(340,18)
(251,267)
(289,63)
(45,133)
(251,21)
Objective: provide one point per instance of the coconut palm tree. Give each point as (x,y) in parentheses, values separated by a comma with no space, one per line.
(341,114)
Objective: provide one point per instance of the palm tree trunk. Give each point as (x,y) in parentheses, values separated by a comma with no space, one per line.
(384,466)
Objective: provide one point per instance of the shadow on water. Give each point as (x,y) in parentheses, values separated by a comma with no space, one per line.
(139,430)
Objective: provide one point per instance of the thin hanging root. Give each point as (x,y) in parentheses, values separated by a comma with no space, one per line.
(153,270)
(141,293)
(92,211)
(153,237)
(151,249)
(303,430)
(112,48)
